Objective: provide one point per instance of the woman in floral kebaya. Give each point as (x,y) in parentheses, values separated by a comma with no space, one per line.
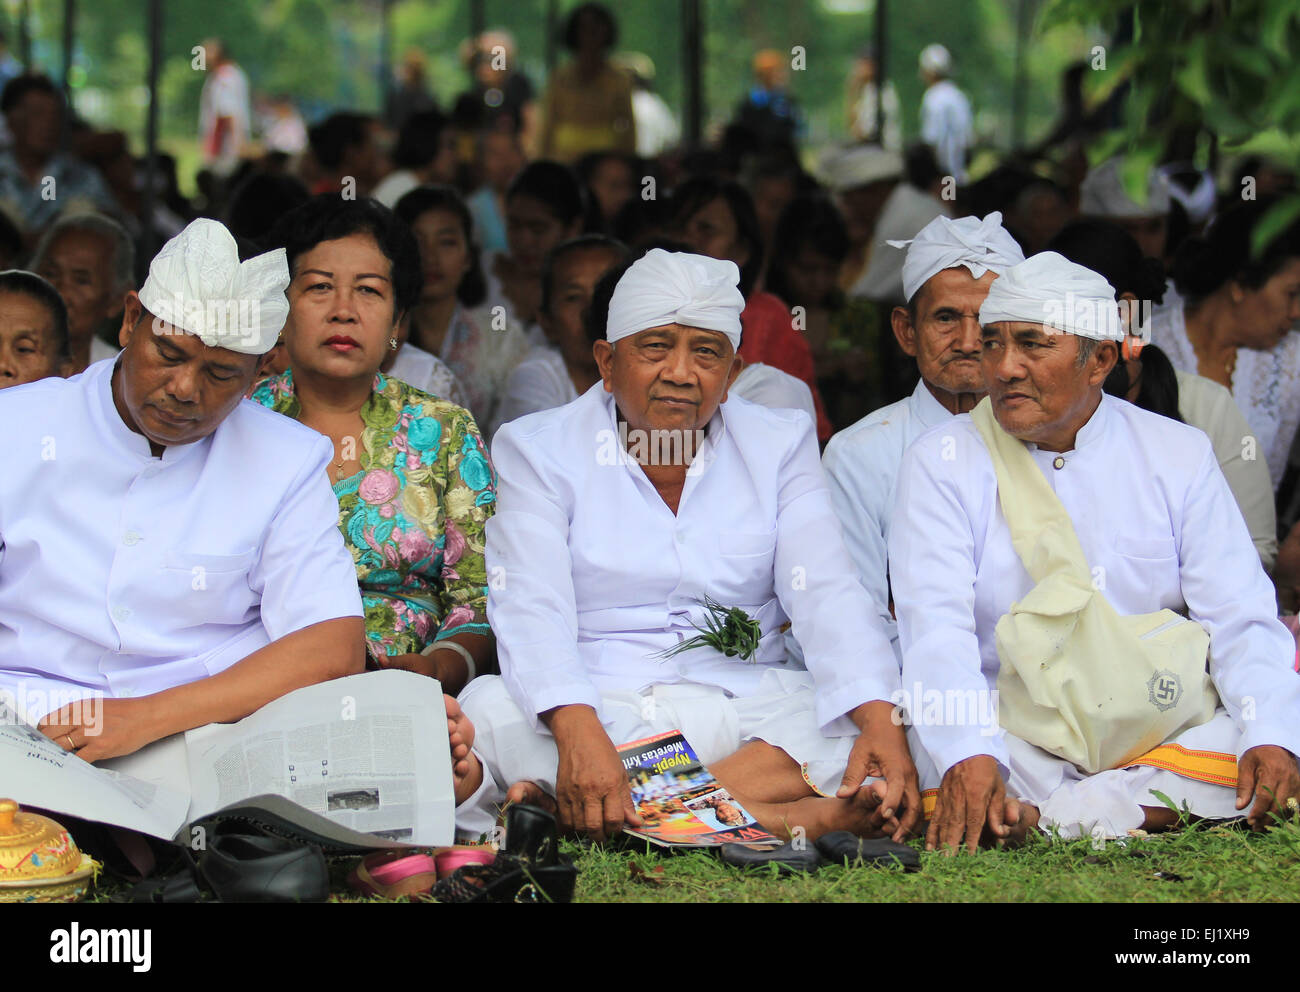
(411,473)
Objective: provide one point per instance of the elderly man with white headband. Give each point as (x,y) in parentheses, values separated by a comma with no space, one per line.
(947,271)
(169,553)
(604,552)
(1079,557)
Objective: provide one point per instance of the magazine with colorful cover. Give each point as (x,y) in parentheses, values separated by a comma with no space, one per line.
(682,804)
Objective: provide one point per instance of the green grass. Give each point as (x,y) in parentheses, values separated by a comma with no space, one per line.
(1218,864)
(1215,865)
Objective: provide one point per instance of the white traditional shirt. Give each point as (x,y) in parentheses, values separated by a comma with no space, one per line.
(905,213)
(1159,528)
(768,386)
(127,574)
(947,126)
(428,373)
(1265,384)
(591,575)
(1205,404)
(861,464)
(540,382)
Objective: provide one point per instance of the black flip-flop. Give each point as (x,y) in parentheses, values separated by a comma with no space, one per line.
(841,847)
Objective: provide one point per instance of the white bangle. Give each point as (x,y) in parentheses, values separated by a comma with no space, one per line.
(459,648)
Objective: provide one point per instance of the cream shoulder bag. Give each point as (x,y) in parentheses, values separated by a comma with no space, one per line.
(1077,679)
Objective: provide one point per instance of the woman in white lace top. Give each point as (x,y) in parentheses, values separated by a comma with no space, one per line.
(1233,323)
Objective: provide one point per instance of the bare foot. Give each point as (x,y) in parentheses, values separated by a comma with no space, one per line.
(1022,818)
(466,770)
(531,794)
(817,815)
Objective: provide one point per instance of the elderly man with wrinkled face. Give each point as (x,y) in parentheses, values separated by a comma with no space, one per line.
(621,517)
(169,553)
(1077,558)
(947,272)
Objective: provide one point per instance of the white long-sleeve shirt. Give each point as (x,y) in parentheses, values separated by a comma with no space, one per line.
(590,574)
(861,464)
(1159,528)
(126,574)
(947,126)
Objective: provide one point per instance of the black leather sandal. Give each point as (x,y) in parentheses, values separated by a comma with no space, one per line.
(527,868)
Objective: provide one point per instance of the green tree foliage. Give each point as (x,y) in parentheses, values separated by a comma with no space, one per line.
(1224,66)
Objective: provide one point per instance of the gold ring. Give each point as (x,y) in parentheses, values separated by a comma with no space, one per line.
(71,745)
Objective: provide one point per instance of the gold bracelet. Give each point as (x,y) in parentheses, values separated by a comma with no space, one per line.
(461,649)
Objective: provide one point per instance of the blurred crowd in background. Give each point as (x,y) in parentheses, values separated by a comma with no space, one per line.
(495,178)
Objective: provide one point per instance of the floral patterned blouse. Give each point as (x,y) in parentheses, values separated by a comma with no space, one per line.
(413,517)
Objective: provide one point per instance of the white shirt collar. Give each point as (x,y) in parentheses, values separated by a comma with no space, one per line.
(928,410)
(1092,431)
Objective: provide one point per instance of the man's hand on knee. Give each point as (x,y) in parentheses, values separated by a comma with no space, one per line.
(591,787)
(971,795)
(1271,776)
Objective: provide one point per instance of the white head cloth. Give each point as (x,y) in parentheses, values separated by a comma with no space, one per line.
(935,58)
(672,287)
(197,283)
(1048,288)
(944,243)
(1102,194)
(843,169)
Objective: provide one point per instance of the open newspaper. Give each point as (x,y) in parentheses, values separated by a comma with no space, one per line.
(359,762)
(681,803)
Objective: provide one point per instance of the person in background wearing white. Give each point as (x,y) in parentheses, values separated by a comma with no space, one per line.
(946,124)
(223,110)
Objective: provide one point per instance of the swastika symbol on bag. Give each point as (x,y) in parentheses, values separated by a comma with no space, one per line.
(1164,690)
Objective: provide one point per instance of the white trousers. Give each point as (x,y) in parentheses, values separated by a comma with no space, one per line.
(781,713)
(1107,804)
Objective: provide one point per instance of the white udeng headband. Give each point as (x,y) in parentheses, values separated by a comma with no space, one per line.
(944,243)
(1048,288)
(668,287)
(198,284)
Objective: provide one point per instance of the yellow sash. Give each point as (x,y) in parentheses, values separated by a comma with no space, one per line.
(1077,679)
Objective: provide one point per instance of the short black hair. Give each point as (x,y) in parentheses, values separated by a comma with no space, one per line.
(473,285)
(810,220)
(584,242)
(598,10)
(1111,251)
(328,217)
(419,139)
(553,185)
(260,201)
(1225,252)
(697,193)
(20,86)
(29,284)
(332,137)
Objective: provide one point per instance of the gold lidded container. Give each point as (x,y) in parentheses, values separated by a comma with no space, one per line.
(39,861)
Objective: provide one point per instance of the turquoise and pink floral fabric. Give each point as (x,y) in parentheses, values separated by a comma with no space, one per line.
(414,516)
